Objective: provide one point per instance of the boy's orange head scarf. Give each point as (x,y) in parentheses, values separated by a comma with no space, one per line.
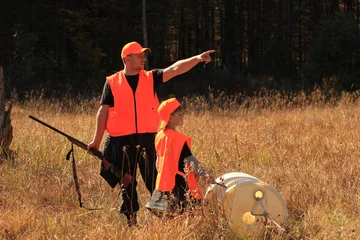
(165,109)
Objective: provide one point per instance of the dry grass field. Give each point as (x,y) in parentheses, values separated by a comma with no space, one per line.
(306,146)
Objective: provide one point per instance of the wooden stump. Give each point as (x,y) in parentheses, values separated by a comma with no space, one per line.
(6,129)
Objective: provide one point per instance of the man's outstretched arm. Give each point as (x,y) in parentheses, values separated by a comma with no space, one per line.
(182,66)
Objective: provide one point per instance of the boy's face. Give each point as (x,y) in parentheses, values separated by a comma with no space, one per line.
(177,118)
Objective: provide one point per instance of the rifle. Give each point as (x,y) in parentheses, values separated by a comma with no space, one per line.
(82,145)
(115,172)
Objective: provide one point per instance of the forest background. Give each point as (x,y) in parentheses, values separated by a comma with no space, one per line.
(69,47)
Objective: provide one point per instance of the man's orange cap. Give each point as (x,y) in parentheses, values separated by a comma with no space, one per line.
(133,48)
(165,109)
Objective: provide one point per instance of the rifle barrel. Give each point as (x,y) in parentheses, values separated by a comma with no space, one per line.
(49,126)
(96,152)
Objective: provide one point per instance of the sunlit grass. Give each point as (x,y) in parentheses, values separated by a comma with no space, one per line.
(305,145)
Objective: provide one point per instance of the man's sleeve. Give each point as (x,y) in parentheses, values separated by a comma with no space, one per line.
(107,97)
(158,77)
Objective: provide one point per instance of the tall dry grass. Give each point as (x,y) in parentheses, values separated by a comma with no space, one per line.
(305,145)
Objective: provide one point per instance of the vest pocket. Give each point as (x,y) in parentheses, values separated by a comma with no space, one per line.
(152,116)
(116,121)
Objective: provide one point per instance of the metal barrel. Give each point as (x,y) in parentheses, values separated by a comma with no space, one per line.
(247,201)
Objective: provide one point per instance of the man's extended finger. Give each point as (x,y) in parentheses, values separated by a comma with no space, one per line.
(209,51)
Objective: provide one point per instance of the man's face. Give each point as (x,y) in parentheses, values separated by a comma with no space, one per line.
(136,61)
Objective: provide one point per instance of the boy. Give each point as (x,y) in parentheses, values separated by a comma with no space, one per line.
(178,169)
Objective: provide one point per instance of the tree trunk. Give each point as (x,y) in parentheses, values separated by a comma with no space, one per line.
(300,46)
(145,30)
(2,97)
(5,122)
(289,37)
(357,21)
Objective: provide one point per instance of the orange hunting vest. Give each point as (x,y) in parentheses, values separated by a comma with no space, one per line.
(132,113)
(168,145)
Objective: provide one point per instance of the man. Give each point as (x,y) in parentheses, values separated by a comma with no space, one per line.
(128,113)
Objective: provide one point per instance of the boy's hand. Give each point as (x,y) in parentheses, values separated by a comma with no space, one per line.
(210,180)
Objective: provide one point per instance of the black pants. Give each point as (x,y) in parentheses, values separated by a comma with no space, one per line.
(127,153)
(173,201)
(179,201)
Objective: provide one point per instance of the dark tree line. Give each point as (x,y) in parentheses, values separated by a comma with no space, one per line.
(69,46)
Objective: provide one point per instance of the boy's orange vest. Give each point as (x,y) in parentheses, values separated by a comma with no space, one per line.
(168,145)
(132,114)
